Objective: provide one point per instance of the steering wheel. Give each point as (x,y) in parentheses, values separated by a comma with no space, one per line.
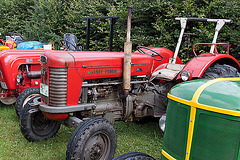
(154,53)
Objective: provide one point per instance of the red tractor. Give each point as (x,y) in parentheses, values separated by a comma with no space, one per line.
(20,71)
(113,85)
(20,67)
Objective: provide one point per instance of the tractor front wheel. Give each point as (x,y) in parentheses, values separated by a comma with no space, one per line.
(93,139)
(24,97)
(34,126)
(221,71)
(134,156)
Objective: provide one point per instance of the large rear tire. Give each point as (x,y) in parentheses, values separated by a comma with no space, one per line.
(220,71)
(134,156)
(94,139)
(24,97)
(34,126)
(162,100)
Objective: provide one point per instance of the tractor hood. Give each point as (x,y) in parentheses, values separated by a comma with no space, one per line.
(14,55)
(219,95)
(142,64)
(82,59)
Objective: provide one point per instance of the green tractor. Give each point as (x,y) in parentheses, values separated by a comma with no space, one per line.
(203,122)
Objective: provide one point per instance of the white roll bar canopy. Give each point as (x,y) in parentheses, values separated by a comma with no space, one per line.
(183,21)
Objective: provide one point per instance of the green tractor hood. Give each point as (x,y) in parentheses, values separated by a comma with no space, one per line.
(216,95)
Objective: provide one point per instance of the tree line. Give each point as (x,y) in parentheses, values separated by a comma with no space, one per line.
(153,22)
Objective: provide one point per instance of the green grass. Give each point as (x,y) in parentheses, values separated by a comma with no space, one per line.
(131,136)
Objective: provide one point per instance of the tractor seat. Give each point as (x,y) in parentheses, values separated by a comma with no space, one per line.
(70,42)
(168,73)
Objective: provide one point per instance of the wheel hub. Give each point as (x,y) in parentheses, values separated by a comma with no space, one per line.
(96,151)
(95,148)
(41,125)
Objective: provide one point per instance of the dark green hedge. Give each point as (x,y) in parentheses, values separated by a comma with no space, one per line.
(153,22)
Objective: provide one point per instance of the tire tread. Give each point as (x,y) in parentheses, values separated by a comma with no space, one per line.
(19,102)
(25,127)
(81,131)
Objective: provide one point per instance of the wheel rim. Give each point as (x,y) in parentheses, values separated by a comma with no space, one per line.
(28,98)
(8,100)
(40,125)
(97,146)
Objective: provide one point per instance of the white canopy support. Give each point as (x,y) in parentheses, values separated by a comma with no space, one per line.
(183,21)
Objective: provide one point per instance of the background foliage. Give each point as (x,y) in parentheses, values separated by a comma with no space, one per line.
(153,22)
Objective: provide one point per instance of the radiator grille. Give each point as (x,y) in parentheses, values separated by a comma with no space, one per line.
(57,87)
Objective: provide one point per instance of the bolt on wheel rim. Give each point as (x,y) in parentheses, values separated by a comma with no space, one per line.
(97,146)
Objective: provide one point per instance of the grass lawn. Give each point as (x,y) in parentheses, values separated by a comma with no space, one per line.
(132,136)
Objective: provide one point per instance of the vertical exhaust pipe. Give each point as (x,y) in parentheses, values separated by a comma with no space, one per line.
(127,55)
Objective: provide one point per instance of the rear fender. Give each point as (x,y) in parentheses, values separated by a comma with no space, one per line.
(198,65)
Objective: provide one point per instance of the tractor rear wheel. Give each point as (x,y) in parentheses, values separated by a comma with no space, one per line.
(93,139)
(220,71)
(134,156)
(24,97)
(34,126)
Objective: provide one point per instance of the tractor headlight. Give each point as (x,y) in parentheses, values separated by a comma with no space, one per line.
(20,78)
(186,75)
(162,122)
(43,59)
(3,85)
